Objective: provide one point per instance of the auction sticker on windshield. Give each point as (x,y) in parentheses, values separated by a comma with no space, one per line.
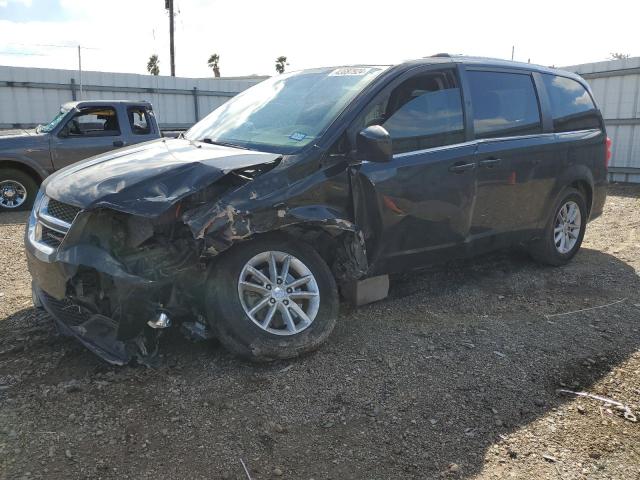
(338,72)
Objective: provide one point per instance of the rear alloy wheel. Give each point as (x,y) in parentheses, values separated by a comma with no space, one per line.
(567,227)
(271,298)
(17,190)
(564,231)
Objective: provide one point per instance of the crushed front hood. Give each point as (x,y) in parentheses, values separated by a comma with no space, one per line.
(147,179)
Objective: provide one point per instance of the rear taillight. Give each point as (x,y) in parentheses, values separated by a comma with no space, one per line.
(607,155)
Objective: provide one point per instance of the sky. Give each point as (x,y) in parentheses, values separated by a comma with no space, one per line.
(120,35)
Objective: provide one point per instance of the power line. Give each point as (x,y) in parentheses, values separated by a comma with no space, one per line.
(52,45)
(24,53)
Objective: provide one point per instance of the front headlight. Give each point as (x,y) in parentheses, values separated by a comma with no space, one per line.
(38,202)
(33,220)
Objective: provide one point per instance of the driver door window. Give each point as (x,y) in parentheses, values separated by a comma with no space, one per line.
(93,122)
(422,112)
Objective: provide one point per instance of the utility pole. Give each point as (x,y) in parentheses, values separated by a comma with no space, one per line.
(168,5)
(513,50)
(80,70)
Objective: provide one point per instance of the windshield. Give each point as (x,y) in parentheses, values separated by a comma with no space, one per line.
(53,123)
(285,112)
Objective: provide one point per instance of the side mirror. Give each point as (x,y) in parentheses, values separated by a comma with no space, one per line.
(374,144)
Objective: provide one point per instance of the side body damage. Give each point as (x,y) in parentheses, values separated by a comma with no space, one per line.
(142,244)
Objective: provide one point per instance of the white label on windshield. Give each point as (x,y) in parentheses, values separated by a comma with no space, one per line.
(338,72)
(298,136)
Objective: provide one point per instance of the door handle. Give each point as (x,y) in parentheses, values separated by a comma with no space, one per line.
(460,167)
(118,143)
(490,162)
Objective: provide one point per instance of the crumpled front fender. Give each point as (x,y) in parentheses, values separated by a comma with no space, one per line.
(269,203)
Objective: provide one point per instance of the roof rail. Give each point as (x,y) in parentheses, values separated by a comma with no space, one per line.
(446,55)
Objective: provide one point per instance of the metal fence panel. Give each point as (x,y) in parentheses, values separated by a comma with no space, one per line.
(616,86)
(29,96)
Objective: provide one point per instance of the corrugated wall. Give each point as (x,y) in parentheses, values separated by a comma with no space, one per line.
(616,86)
(29,96)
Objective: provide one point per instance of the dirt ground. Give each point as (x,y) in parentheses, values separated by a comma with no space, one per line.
(455,375)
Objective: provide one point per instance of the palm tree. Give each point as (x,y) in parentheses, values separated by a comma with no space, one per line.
(280,64)
(214,59)
(153,65)
(619,56)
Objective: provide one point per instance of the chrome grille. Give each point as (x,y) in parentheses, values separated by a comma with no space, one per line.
(51,237)
(49,223)
(63,211)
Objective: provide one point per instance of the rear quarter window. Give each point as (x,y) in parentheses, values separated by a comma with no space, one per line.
(139,120)
(572,107)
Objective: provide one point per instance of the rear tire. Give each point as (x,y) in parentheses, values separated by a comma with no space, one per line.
(270,333)
(564,230)
(17,190)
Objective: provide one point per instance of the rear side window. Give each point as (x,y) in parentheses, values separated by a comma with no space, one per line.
(504,104)
(572,107)
(422,112)
(139,120)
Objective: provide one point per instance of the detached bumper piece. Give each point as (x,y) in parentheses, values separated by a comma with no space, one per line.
(99,333)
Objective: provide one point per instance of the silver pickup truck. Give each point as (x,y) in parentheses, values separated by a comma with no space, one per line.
(79,130)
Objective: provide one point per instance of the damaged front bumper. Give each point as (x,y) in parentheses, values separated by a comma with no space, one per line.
(92,294)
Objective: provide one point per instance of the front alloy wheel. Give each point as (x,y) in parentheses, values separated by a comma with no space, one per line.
(13,194)
(271,298)
(279,293)
(17,190)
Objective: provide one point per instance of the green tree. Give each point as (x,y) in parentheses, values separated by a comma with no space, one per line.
(153,65)
(619,56)
(280,64)
(213,63)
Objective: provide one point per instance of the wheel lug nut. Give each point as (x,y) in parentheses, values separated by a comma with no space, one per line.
(286,302)
(273,300)
(268,287)
(289,290)
(279,281)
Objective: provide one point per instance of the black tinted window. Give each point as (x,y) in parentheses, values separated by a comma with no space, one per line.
(572,107)
(424,112)
(504,104)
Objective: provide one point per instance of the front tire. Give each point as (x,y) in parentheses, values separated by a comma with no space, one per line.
(564,231)
(271,298)
(17,190)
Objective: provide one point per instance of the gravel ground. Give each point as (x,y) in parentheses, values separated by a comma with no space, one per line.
(455,375)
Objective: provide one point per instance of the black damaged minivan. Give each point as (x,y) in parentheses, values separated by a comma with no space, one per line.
(246,227)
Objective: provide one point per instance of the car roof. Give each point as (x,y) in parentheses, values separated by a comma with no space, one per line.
(444,58)
(103,103)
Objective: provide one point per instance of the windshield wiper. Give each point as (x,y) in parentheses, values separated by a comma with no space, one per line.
(224,144)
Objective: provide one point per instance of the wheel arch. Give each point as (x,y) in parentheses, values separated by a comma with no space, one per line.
(339,242)
(578,177)
(587,190)
(30,170)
